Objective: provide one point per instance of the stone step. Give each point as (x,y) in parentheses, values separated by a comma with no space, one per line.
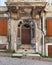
(26,55)
(32,57)
(25,51)
(26,47)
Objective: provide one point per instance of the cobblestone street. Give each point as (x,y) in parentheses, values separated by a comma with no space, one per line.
(16,61)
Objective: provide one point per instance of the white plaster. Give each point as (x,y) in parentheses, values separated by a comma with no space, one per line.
(17,54)
(37,50)
(3,40)
(33,55)
(6,46)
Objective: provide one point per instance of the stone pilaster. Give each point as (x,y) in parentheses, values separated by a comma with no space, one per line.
(38,36)
(13,34)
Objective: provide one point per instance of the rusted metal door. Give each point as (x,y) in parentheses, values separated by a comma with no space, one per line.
(25,36)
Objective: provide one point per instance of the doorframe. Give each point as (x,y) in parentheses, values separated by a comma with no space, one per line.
(35,27)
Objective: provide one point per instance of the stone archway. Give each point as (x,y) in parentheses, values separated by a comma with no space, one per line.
(29,26)
(27,39)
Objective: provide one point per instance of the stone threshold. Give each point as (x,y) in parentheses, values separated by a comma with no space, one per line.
(25,54)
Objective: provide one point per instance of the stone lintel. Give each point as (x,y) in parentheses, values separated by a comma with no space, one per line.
(27,3)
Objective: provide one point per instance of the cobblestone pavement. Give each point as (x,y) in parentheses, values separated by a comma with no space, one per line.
(16,61)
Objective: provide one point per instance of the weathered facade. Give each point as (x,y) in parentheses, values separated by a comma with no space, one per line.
(28,23)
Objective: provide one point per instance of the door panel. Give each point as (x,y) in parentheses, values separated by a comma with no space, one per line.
(25,36)
(50,50)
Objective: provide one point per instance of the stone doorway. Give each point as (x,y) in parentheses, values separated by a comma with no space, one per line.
(26,34)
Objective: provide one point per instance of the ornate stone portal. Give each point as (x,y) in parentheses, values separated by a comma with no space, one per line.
(19,11)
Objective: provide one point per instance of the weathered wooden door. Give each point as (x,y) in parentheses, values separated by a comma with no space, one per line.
(49,26)
(3,31)
(3,26)
(50,50)
(25,38)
